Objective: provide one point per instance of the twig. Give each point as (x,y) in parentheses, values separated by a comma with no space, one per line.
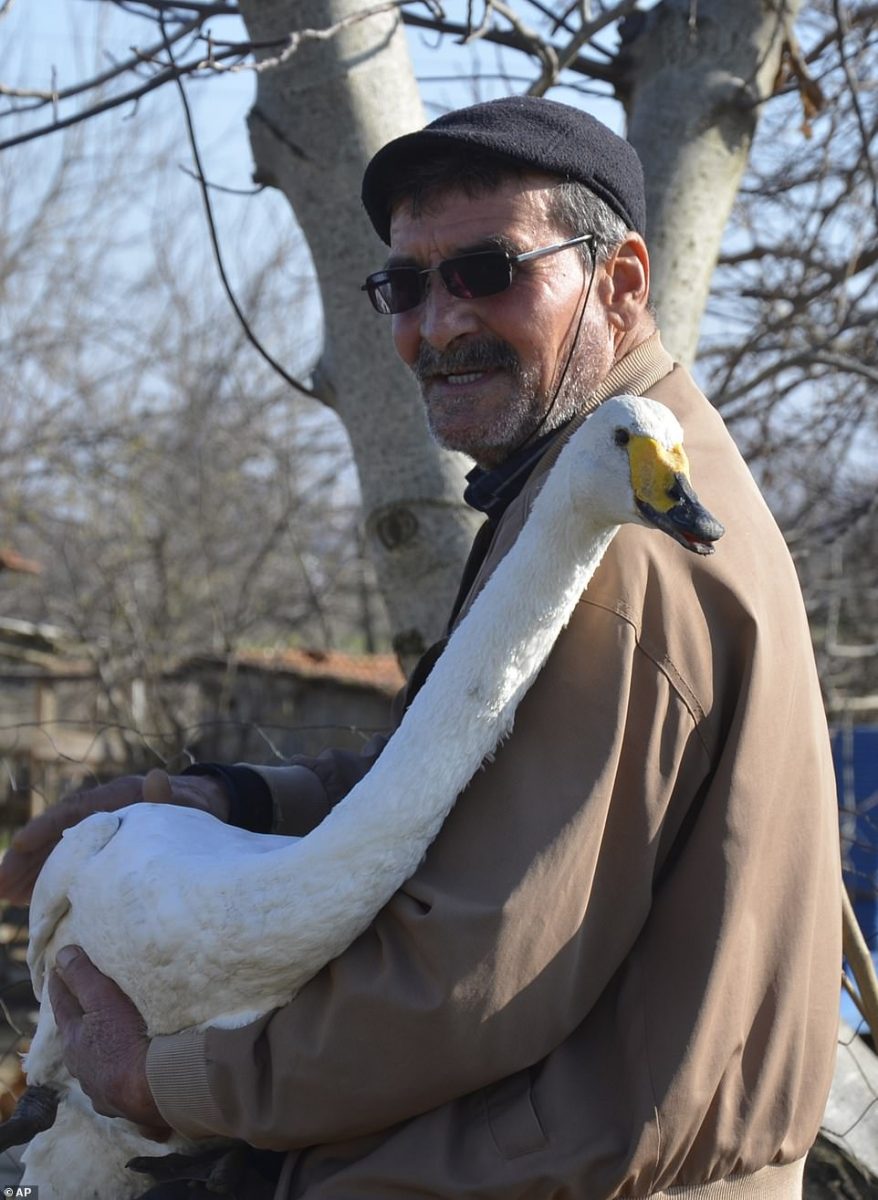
(214,237)
(853,994)
(95,110)
(96,81)
(219,187)
(543,49)
(855,101)
(4,1007)
(860,962)
(866,14)
(567,57)
(294,40)
(605,72)
(557,22)
(197,6)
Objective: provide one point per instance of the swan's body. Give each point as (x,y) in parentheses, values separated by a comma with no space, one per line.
(203,924)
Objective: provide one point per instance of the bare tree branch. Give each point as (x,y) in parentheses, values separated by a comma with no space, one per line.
(202,10)
(567,57)
(54,95)
(855,101)
(581,65)
(536,45)
(132,96)
(222,57)
(214,237)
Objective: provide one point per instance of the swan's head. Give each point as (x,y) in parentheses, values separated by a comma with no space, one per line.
(635,447)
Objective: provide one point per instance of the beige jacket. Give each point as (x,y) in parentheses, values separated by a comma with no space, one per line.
(616,972)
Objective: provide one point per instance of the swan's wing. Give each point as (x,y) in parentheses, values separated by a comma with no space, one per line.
(51,898)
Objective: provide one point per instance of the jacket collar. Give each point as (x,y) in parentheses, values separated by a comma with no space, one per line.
(634,374)
(492,491)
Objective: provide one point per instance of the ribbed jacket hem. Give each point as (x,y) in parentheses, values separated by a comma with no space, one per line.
(771,1183)
(176,1069)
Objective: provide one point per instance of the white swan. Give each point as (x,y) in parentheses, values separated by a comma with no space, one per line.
(204,924)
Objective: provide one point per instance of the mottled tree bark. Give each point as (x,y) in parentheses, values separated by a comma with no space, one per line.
(696,72)
(318,117)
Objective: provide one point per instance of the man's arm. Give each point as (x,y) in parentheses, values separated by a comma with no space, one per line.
(501,942)
(105,1041)
(290,800)
(305,791)
(33,843)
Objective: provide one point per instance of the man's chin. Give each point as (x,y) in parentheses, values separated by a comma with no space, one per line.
(484,454)
(489,443)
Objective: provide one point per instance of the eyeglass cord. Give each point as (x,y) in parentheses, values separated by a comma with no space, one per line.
(535,431)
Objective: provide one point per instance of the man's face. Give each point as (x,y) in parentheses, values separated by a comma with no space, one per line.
(489,368)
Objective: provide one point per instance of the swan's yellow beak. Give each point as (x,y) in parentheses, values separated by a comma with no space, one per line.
(664,495)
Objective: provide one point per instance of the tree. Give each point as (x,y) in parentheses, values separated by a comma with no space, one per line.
(178,503)
(789,349)
(788,346)
(333,82)
(318,117)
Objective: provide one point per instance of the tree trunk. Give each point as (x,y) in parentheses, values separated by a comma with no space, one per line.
(318,118)
(696,71)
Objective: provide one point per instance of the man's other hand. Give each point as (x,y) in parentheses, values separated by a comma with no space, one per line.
(104,1041)
(31,845)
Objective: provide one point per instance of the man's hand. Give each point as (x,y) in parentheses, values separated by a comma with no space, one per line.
(105,1041)
(31,845)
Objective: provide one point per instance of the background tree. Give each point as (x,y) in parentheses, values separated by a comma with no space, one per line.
(178,502)
(787,347)
(334,81)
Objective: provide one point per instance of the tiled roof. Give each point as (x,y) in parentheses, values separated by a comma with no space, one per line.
(11,560)
(380,671)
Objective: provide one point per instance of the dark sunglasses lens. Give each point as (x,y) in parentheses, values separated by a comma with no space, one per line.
(395,290)
(475,275)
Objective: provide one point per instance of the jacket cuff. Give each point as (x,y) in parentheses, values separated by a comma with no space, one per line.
(299,798)
(176,1070)
(250,804)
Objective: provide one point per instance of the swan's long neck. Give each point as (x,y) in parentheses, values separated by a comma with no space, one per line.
(374,839)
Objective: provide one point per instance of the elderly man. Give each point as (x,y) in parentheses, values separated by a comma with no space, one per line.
(616,972)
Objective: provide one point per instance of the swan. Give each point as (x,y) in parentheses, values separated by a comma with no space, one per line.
(203,924)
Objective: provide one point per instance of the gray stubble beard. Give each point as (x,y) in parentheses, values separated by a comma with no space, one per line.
(527,413)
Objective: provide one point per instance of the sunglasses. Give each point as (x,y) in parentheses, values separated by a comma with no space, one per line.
(469,277)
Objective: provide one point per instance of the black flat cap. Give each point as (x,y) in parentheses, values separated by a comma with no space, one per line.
(531,132)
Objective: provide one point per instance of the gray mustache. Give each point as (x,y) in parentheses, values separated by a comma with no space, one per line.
(475,356)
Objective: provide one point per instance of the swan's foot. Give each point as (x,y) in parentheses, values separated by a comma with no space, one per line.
(221,1171)
(34,1113)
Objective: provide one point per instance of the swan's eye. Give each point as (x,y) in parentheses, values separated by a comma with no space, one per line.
(621,437)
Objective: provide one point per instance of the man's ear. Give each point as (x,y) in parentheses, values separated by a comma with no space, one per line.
(625,290)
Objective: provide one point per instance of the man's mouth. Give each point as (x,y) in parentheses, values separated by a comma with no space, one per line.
(462,378)
(466,365)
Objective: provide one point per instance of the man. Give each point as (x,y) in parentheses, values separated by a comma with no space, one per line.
(616,972)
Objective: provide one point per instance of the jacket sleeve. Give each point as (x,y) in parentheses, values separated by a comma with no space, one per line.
(499,944)
(304,791)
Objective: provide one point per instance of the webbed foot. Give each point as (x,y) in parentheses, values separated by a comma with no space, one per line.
(34,1113)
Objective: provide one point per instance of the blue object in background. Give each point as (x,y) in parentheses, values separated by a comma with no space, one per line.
(855,755)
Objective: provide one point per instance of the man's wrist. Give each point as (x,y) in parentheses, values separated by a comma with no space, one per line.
(247,794)
(204,791)
(176,1069)
(141,1108)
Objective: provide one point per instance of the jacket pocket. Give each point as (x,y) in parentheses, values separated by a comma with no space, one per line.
(512,1117)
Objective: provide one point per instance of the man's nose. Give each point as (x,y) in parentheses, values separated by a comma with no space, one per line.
(443,318)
